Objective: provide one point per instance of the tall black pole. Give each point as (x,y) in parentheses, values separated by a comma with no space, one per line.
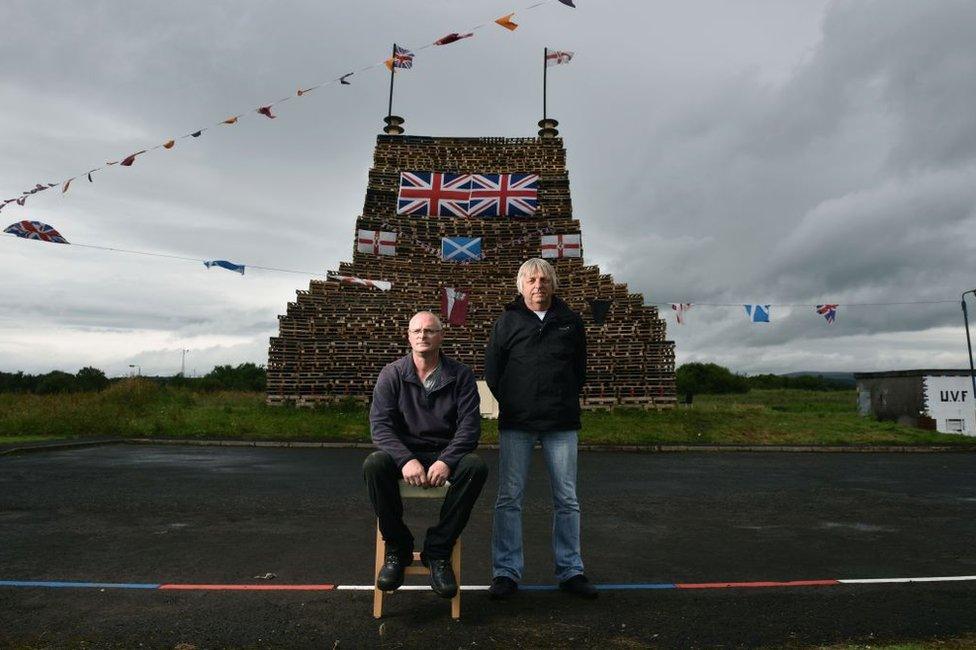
(969,345)
(545,67)
(389,108)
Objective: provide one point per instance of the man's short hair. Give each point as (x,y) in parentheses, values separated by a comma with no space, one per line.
(436,318)
(534,265)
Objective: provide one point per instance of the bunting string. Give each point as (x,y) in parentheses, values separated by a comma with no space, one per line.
(266,109)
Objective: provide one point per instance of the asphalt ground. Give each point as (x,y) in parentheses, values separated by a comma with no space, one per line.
(144,514)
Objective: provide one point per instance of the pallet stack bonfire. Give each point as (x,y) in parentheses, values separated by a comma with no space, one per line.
(337,336)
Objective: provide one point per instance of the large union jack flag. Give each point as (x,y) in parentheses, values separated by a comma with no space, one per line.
(434,194)
(503,195)
(35,230)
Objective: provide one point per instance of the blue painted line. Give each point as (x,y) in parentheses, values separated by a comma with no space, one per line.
(538,587)
(79,585)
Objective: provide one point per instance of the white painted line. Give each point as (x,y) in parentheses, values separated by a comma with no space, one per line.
(407,588)
(881,580)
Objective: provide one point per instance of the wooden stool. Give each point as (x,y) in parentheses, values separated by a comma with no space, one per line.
(417,569)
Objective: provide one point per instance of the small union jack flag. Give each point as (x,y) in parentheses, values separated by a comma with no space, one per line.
(561,246)
(504,195)
(35,230)
(434,194)
(377,242)
(829,312)
(679,311)
(402,58)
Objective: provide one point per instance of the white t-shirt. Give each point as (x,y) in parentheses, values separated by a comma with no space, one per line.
(540,314)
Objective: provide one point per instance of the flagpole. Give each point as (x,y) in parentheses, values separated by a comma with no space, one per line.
(969,345)
(389,109)
(545,57)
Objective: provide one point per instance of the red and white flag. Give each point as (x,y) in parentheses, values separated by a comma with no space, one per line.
(382,285)
(561,246)
(377,242)
(558,57)
(679,311)
(454,305)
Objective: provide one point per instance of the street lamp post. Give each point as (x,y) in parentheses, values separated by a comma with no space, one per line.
(969,345)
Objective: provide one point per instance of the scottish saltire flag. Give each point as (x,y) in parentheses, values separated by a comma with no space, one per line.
(402,58)
(829,312)
(757,313)
(377,242)
(461,249)
(503,195)
(434,194)
(224,264)
(679,311)
(561,246)
(35,230)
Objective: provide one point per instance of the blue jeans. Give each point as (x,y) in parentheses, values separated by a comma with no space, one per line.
(515,451)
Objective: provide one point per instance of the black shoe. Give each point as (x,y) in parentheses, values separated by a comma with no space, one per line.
(502,587)
(390,577)
(579,585)
(442,579)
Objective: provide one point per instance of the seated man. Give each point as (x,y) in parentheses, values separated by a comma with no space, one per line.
(425,418)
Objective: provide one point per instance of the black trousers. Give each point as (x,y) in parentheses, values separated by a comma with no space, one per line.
(467,479)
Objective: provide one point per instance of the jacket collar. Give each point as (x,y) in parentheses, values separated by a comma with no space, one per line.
(557,308)
(408,371)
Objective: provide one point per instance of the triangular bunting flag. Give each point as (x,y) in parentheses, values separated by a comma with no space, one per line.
(452,38)
(224,264)
(600,309)
(266,111)
(506,22)
(757,313)
(231,120)
(169,144)
(829,312)
(680,309)
(128,160)
(342,79)
(67,184)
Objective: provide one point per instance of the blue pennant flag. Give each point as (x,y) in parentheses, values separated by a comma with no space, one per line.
(224,264)
(757,313)
(461,249)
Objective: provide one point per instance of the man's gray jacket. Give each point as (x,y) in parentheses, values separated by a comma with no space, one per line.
(405,420)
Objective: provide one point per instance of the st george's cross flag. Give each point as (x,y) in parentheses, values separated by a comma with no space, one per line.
(829,312)
(561,246)
(503,195)
(434,194)
(35,230)
(377,242)
(558,57)
(461,249)
(679,311)
(454,305)
(757,313)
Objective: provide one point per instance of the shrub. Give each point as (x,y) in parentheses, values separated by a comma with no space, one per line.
(697,378)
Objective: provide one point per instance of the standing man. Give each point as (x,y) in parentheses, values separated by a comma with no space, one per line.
(535,366)
(425,418)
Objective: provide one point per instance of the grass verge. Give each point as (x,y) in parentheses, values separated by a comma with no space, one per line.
(138,408)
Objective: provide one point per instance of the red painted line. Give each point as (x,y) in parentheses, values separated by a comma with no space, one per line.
(249,587)
(724,585)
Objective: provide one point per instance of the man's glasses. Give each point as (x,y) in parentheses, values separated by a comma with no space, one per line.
(424,331)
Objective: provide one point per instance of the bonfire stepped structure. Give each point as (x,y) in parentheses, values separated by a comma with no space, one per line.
(337,335)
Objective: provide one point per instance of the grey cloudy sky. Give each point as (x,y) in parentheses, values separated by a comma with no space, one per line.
(792,152)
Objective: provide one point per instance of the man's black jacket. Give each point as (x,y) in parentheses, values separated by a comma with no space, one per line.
(536,369)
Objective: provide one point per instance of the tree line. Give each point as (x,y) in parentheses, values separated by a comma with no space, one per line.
(243,377)
(711,378)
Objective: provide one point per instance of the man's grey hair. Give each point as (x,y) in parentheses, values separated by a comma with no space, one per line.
(536,265)
(436,318)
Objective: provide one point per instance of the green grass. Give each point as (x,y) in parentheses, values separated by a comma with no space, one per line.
(138,408)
